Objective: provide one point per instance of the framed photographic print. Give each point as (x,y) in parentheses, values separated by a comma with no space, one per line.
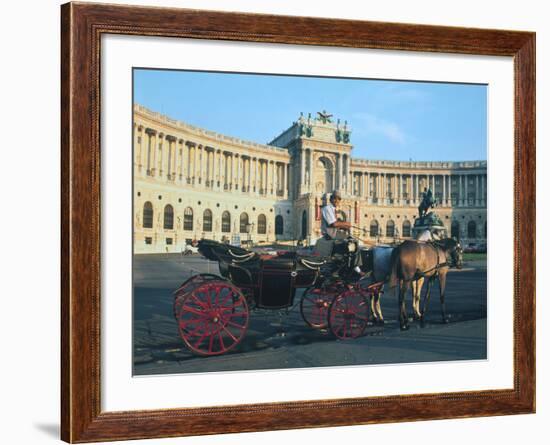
(277,222)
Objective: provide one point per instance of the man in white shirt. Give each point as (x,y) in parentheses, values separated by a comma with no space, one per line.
(330,226)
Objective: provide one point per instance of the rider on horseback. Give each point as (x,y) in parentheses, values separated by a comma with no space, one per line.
(427,202)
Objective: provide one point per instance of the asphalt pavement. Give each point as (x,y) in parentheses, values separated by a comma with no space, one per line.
(281,339)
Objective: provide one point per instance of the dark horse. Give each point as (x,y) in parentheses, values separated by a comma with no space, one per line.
(413,260)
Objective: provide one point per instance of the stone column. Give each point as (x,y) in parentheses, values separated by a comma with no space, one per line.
(249,181)
(177,162)
(302,170)
(137,147)
(237,181)
(256,170)
(399,188)
(187,156)
(152,155)
(196,164)
(444,196)
(174,159)
(282,185)
(224,173)
(312,173)
(276,168)
(288,185)
(268,177)
(160,160)
(253,176)
(204,164)
(181,159)
(160,156)
(210,166)
(338,176)
(169,158)
(460,191)
(477,191)
(145,148)
(483,181)
(214,169)
(232,171)
(466,189)
(347,179)
(260,175)
(309,169)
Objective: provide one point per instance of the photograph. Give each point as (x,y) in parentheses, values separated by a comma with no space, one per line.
(284,221)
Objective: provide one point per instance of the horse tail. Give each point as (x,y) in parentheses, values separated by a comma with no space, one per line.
(394,265)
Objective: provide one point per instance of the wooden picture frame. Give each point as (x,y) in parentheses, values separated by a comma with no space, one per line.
(82,26)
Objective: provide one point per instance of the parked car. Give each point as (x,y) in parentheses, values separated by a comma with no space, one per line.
(476,248)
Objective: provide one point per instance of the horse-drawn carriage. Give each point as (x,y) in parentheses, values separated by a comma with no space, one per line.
(213,311)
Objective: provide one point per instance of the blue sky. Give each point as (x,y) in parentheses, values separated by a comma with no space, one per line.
(389,119)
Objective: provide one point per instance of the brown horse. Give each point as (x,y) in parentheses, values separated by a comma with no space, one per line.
(415,260)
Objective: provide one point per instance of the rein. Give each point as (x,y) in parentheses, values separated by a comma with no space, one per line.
(438,265)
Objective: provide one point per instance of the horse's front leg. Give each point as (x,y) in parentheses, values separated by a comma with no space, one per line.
(403,319)
(442,282)
(416,291)
(376,309)
(373,307)
(379,308)
(426,301)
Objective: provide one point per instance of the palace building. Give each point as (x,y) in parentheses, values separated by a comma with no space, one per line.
(192,183)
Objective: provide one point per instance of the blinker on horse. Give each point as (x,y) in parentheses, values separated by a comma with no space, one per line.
(414,260)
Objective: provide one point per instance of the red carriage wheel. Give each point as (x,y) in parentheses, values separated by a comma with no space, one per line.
(314,307)
(348,315)
(212,317)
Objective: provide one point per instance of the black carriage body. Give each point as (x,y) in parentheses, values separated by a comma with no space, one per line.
(271,280)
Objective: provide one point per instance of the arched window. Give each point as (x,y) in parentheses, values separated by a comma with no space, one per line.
(455,229)
(188,219)
(325,183)
(169,217)
(226,222)
(472,229)
(279,225)
(262,224)
(243,227)
(147,215)
(373,229)
(207,220)
(390,228)
(406,228)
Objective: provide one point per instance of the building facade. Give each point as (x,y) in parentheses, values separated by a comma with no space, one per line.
(192,183)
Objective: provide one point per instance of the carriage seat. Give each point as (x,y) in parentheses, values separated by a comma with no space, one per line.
(279,263)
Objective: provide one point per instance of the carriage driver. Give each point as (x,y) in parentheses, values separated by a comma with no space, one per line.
(331,228)
(335,233)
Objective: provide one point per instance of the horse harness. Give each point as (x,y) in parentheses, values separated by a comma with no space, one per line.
(439,265)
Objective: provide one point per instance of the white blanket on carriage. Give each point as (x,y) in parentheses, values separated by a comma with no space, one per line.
(381,262)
